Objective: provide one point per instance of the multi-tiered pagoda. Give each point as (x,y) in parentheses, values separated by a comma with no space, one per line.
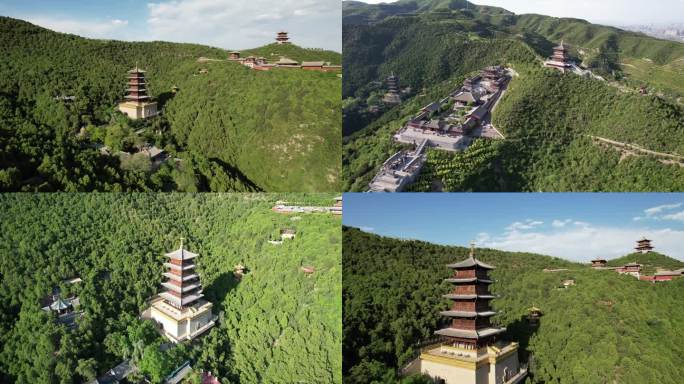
(560,59)
(138,104)
(392,97)
(282,38)
(643,245)
(469,351)
(180,308)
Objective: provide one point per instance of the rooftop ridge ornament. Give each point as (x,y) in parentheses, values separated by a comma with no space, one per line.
(472,249)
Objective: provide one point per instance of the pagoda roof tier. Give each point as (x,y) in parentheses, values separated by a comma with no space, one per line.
(178,267)
(178,301)
(131,97)
(470,262)
(181,254)
(467,314)
(136,70)
(454,296)
(183,278)
(468,280)
(183,289)
(470,334)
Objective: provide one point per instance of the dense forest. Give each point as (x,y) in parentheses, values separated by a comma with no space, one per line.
(550,120)
(276,324)
(231,128)
(605,328)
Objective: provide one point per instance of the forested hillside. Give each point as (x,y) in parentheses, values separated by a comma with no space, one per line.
(551,121)
(605,328)
(650,261)
(232,128)
(276,324)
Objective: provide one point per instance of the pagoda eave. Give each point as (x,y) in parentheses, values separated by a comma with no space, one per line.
(468,280)
(467,314)
(470,334)
(454,296)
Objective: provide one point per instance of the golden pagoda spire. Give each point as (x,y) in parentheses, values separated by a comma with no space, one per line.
(181,239)
(472,249)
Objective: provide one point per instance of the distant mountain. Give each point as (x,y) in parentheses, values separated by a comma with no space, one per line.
(233,128)
(606,328)
(551,122)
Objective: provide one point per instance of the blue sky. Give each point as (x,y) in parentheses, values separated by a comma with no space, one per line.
(611,12)
(230,24)
(576,226)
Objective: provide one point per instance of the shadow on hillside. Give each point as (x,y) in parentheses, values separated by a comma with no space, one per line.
(522,331)
(237,174)
(163,98)
(540,44)
(217,291)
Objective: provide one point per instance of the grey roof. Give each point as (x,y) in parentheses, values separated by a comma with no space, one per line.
(313,63)
(286,61)
(469,334)
(186,299)
(454,296)
(181,254)
(60,304)
(670,273)
(466,96)
(468,280)
(470,262)
(467,314)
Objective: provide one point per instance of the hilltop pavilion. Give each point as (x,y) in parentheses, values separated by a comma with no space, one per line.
(643,245)
(138,104)
(469,351)
(180,308)
(282,38)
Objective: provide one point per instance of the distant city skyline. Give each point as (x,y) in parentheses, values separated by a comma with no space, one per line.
(611,12)
(226,24)
(574,226)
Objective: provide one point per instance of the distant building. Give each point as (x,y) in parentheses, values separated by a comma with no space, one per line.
(643,245)
(282,38)
(138,104)
(567,283)
(180,308)
(560,59)
(598,263)
(633,269)
(533,315)
(664,275)
(470,352)
(234,55)
(284,62)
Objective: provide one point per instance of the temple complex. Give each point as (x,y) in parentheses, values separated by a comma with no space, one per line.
(560,59)
(469,351)
(643,245)
(282,38)
(392,97)
(180,308)
(138,104)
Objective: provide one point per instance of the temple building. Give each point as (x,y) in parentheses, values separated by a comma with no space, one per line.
(234,55)
(138,104)
(643,245)
(180,308)
(470,351)
(598,263)
(392,97)
(282,38)
(560,59)
(633,269)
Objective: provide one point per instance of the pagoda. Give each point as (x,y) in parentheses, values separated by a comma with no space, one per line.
(282,38)
(560,59)
(392,96)
(598,263)
(469,351)
(138,104)
(643,245)
(181,309)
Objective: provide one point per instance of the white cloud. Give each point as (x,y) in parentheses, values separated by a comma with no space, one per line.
(248,24)
(93,29)
(521,226)
(367,229)
(585,242)
(560,223)
(659,213)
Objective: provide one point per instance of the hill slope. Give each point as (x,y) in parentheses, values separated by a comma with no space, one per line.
(270,322)
(606,328)
(234,128)
(548,119)
(650,261)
